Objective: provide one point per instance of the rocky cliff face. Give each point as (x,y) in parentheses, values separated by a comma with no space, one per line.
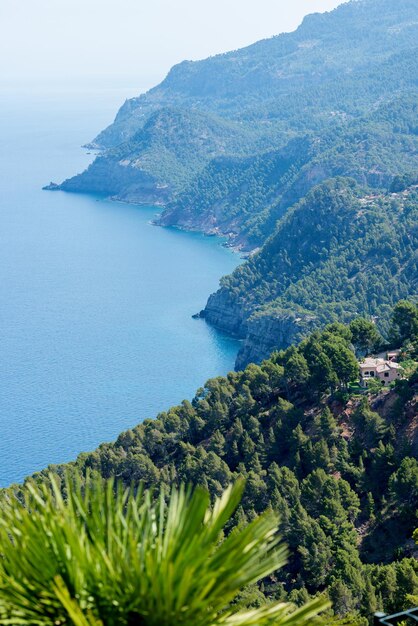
(268,333)
(226,313)
(262,333)
(209,225)
(120,180)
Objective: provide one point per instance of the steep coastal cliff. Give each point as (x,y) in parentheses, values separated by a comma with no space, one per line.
(266,333)
(262,333)
(226,313)
(163,156)
(118,179)
(337,254)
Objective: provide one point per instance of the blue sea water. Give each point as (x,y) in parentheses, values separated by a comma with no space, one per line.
(96,331)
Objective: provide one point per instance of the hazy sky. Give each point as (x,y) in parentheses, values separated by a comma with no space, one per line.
(133,40)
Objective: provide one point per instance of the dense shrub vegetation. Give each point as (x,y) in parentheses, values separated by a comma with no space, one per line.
(244,197)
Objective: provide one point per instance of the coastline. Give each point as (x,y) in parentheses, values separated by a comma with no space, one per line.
(214,232)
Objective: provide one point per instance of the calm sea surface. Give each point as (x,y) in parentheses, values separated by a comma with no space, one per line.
(96,331)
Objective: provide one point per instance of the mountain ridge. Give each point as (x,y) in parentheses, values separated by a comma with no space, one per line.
(338,253)
(230,145)
(244,85)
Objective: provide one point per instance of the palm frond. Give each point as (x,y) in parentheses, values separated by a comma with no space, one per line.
(115,556)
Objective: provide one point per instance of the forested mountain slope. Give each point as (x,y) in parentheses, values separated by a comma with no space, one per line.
(340,469)
(357,36)
(338,253)
(244,198)
(164,156)
(234,144)
(334,70)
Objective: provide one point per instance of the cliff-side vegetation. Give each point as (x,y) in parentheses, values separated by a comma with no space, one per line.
(244,198)
(339,253)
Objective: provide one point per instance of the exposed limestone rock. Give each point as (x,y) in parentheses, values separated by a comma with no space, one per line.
(270,332)
(225,313)
(262,332)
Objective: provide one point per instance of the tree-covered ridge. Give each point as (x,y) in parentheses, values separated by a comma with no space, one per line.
(338,247)
(340,252)
(244,198)
(341,471)
(172,147)
(324,82)
(240,197)
(326,48)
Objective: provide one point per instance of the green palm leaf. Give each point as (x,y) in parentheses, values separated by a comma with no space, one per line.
(106,555)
